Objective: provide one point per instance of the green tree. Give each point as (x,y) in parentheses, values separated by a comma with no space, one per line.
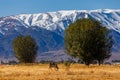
(101,43)
(86,39)
(25,49)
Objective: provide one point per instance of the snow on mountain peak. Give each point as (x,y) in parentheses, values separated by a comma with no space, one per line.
(61,19)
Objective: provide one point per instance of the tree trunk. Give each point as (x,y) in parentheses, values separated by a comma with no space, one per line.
(99,62)
(87,63)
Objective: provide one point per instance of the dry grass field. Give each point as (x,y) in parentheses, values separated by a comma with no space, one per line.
(42,72)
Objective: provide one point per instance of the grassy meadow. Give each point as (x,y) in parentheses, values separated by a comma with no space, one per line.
(42,72)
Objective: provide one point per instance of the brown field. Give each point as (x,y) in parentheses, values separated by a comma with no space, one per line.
(42,72)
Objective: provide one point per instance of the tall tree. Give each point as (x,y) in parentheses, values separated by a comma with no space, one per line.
(88,40)
(25,49)
(101,44)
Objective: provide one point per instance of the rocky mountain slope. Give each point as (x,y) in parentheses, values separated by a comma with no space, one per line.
(48,28)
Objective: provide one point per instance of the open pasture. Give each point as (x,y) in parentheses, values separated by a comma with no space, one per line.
(42,72)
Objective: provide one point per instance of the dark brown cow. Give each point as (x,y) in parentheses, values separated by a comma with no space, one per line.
(53,65)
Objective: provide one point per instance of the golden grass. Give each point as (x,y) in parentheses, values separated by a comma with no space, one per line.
(42,72)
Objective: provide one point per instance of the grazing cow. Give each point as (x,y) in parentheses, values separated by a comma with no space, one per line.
(53,65)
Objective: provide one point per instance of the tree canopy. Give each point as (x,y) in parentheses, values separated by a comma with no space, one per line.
(25,49)
(88,40)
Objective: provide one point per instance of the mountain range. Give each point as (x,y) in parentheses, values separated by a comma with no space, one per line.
(48,30)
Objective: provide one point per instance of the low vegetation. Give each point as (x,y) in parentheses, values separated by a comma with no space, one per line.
(42,72)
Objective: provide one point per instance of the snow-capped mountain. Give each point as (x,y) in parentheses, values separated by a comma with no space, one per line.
(48,28)
(61,19)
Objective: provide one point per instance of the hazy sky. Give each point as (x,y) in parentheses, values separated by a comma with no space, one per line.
(12,7)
